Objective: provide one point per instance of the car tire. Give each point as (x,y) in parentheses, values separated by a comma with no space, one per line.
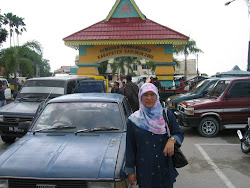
(8,139)
(209,127)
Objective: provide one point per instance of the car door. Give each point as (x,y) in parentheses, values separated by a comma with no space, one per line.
(237,103)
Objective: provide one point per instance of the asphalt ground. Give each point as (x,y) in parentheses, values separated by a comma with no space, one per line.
(213,162)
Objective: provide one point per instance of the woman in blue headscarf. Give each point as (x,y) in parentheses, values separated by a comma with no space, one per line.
(148,147)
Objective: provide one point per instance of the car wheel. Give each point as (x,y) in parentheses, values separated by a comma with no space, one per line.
(8,139)
(209,127)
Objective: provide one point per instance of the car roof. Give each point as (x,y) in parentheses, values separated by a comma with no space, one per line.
(3,79)
(61,78)
(80,97)
(235,78)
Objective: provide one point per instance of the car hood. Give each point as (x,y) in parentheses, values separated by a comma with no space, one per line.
(20,108)
(200,102)
(180,97)
(83,156)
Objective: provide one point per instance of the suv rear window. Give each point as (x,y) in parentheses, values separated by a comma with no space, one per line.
(42,88)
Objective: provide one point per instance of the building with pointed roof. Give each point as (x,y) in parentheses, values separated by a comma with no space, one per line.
(126,32)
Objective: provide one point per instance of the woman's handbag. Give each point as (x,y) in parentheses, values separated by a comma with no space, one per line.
(178,157)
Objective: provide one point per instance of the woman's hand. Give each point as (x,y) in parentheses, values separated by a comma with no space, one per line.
(169,148)
(132,179)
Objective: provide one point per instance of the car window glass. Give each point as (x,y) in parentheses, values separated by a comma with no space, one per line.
(240,90)
(42,88)
(199,86)
(71,86)
(83,115)
(219,88)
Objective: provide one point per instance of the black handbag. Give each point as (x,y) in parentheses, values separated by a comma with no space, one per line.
(178,157)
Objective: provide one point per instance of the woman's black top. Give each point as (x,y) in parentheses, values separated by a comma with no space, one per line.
(144,152)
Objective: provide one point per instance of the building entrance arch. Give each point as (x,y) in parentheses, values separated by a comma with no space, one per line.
(126,32)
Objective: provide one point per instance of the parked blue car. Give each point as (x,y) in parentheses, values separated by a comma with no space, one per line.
(76,140)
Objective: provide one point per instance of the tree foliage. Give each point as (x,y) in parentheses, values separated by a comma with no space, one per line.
(25,60)
(189,48)
(16,25)
(102,68)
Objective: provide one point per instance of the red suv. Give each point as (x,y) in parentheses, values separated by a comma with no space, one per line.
(227,106)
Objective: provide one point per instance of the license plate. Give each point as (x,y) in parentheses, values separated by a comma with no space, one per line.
(15,129)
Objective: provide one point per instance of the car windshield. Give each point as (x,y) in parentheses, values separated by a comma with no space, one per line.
(79,117)
(42,89)
(218,88)
(199,86)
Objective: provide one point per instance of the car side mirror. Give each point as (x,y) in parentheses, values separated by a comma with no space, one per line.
(24,125)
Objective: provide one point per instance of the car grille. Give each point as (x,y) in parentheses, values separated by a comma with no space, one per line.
(15,119)
(30,183)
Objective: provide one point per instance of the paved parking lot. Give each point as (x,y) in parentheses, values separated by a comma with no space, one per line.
(213,162)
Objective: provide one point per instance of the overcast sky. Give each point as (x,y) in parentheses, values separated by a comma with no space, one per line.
(221,32)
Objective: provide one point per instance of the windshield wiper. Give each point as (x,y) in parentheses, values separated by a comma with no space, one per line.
(54,128)
(97,129)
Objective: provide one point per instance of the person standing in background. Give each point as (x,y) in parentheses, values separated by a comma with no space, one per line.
(2,95)
(116,88)
(131,92)
(143,82)
(123,86)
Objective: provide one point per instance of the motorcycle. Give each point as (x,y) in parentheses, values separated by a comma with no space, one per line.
(245,140)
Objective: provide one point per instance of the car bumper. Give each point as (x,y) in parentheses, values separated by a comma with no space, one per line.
(187,121)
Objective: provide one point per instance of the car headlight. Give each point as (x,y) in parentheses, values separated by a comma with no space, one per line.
(189,111)
(100,185)
(1,118)
(4,183)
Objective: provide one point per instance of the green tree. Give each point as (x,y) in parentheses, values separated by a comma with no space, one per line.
(16,24)
(9,20)
(24,59)
(19,27)
(102,68)
(151,65)
(3,32)
(123,62)
(189,48)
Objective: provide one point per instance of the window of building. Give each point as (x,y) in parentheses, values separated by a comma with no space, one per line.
(144,66)
(134,67)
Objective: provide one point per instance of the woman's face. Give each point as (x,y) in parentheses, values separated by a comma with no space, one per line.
(149,99)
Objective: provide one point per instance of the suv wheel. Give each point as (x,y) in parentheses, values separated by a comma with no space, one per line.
(209,127)
(8,139)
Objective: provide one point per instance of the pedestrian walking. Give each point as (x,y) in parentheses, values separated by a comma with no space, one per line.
(116,88)
(131,92)
(148,147)
(2,95)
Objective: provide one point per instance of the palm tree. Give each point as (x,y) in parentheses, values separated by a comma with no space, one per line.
(9,19)
(3,32)
(189,48)
(19,27)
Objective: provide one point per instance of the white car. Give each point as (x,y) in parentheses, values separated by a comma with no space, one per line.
(7,91)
